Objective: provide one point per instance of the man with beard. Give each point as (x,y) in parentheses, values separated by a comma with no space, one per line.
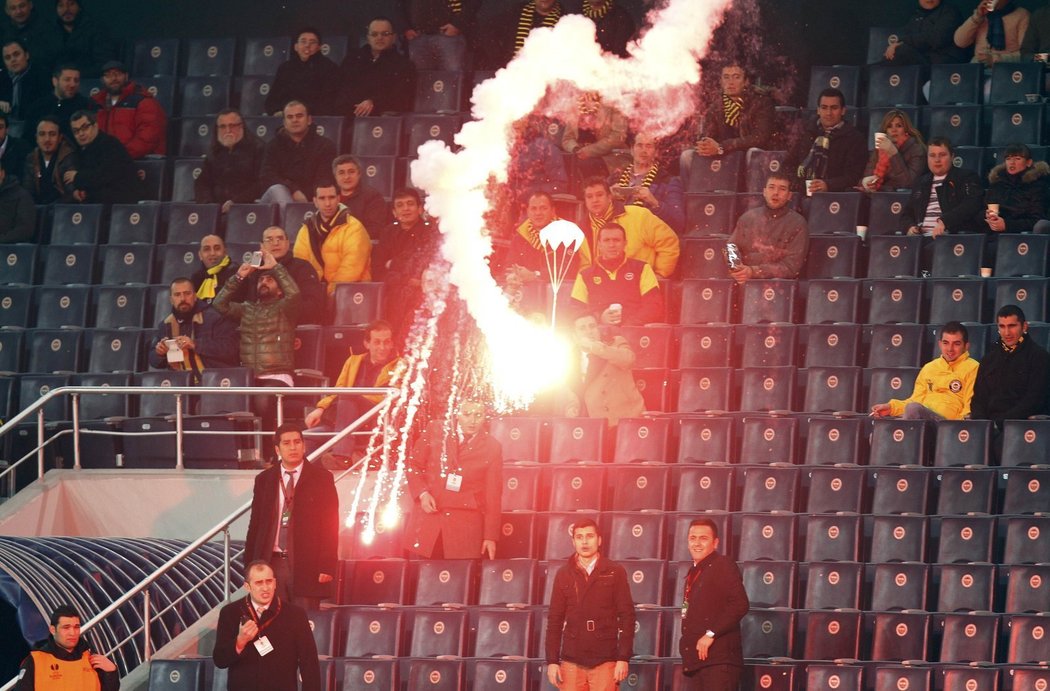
(772,239)
(198,334)
(335,243)
(216,267)
(47,164)
(230,172)
(64,100)
(128,112)
(275,241)
(623,291)
(104,173)
(66,660)
(82,40)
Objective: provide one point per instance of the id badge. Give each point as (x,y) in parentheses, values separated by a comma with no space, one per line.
(263,646)
(453,482)
(286,518)
(685,608)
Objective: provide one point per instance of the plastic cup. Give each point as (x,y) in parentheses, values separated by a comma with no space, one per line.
(862,232)
(809,188)
(986,272)
(993,209)
(879,137)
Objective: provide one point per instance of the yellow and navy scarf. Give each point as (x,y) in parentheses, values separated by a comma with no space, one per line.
(647,181)
(209,287)
(731,109)
(455,6)
(528,13)
(593,13)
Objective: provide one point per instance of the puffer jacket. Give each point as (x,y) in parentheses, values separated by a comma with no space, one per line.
(136,119)
(1021,198)
(267,328)
(345,248)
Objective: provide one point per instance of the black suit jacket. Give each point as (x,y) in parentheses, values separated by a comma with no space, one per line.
(717,602)
(314,529)
(294,650)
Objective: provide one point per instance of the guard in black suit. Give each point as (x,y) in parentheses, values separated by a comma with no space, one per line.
(715,602)
(294,522)
(264,640)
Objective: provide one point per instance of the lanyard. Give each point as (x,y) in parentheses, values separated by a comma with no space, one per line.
(255,615)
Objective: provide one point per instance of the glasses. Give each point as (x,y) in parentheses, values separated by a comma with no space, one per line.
(274,241)
(82,128)
(377,34)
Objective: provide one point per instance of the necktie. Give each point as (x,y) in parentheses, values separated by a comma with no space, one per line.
(288,489)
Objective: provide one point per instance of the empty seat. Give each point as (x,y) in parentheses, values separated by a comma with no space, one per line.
(642,439)
(703,389)
(899,442)
(898,635)
(832,256)
(770,583)
(766,536)
(767,345)
(768,633)
(520,437)
(832,537)
(422,127)
(114,350)
(195,136)
(898,586)
(884,215)
(438,91)
(830,345)
(834,212)
(245,223)
(382,173)
(378,135)
(634,535)
(437,632)
(32,387)
(767,388)
(962,443)
(69,264)
(188,223)
(183,174)
(576,439)
(893,256)
(892,85)
(53,350)
(835,489)
(896,345)
(706,301)
(251,94)
(959,255)
(372,631)
(637,487)
(831,676)
(897,538)
(964,587)
(499,674)
(704,439)
(960,124)
(58,306)
(770,439)
(1020,255)
(127,263)
(832,300)
(507,581)
(76,224)
(833,636)
(444,581)
(704,345)
(173,261)
(954,84)
(965,490)
(832,440)
(893,301)
(651,344)
(964,538)
(1027,491)
(969,637)
(831,389)
(11,345)
(768,300)
(845,78)
(899,490)
(15,305)
(713,173)
(702,258)
(704,488)
(885,383)
(1022,122)
(373,582)
(1027,539)
(210,57)
(1027,588)
(576,487)
(1027,293)
(502,633)
(955,299)
(433,674)
(1012,81)
(263,56)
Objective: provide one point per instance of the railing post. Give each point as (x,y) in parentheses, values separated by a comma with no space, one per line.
(280,410)
(226,562)
(76,431)
(147,644)
(40,443)
(178,432)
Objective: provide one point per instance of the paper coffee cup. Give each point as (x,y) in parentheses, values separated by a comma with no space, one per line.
(809,188)
(862,232)
(1041,57)
(986,272)
(879,137)
(994,209)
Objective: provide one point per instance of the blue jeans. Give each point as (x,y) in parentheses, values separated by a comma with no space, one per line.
(438,52)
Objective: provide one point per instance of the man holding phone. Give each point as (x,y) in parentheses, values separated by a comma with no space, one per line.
(64,659)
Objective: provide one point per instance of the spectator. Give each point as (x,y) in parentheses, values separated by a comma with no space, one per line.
(83,41)
(203,339)
(230,172)
(1037,36)
(928,37)
(373,368)
(333,241)
(311,292)
(296,158)
(603,386)
(34,30)
(996,35)
(744,121)
(526,258)
(644,182)
(17,211)
(648,238)
(104,173)
(772,239)
(308,77)
(22,82)
(1012,379)
(13,151)
(438,32)
(956,205)
(364,202)
(514,27)
(376,78)
(614,26)
(835,159)
(593,133)
(898,159)
(405,249)
(128,112)
(1018,187)
(216,267)
(65,100)
(47,165)
(623,291)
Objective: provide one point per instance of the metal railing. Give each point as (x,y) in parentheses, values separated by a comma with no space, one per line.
(149,616)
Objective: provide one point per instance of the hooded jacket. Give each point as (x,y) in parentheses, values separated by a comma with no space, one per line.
(1022,197)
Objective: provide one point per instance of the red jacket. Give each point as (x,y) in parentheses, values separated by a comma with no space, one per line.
(137,120)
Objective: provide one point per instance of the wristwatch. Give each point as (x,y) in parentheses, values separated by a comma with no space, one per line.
(721,151)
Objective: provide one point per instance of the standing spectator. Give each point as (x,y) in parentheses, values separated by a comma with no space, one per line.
(17,211)
(508,35)
(34,30)
(216,268)
(898,159)
(105,174)
(590,627)
(995,34)
(376,78)
(837,151)
(203,338)
(613,25)
(744,120)
(928,37)
(603,384)
(365,202)
(230,172)
(624,291)
(333,241)
(644,182)
(65,660)
(295,158)
(308,77)
(65,100)
(438,32)
(47,165)
(772,239)
(22,82)
(594,132)
(128,112)
(13,151)
(83,41)
(312,294)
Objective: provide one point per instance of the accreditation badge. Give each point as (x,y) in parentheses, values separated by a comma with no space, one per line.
(453,482)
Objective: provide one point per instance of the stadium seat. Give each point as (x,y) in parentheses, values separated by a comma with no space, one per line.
(960,124)
(834,636)
(952,84)
(831,389)
(499,674)
(898,586)
(955,299)
(845,78)
(422,127)
(183,674)
(113,350)
(964,587)
(1021,255)
(1027,293)
(760,164)
(576,487)
(11,346)
(16,305)
(893,85)
(703,389)
(502,633)
(576,439)
(134,223)
(646,578)
(770,583)
(439,91)
(768,633)
(251,94)
(507,582)
(963,538)
(1027,539)
(264,126)
(262,56)
(1027,644)
(637,487)
(889,382)
(898,490)
(832,676)
(961,255)
(704,440)
(382,173)
(648,632)
(634,534)
(183,174)
(712,173)
(897,538)
(704,345)
(122,264)
(834,212)
(642,439)
(975,158)
(898,636)
(832,256)
(437,632)
(429,674)
(1027,588)
(709,213)
(245,223)
(893,256)
(962,443)
(210,57)
(173,261)
(378,135)
(894,300)
(899,442)
(767,345)
(155,56)
(154,175)
(651,344)
(768,300)
(1011,82)
(772,677)
(702,258)
(766,536)
(188,223)
(705,487)
(766,440)
(833,440)
(1021,122)
(76,224)
(69,264)
(832,537)
(884,215)
(830,345)
(440,582)
(54,350)
(1027,491)
(32,387)
(374,582)
(969,637)
(195,138)
(835,489)
(895,345)
(372,631)
(767,388)
(520,438)
(706,301)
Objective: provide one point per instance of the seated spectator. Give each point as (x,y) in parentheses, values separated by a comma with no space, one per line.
(513,27)
(834,160)
(928,37)
(1012,379)
(333,241)
(377,78)
(744,120)
(648,238)
(945,199)
(613,25)
(944,386)
(230,172)
(83,41)
(17,211)
(1018,187)
(202,337)
(1037,36)
(644,182)
(593,133)
(365,202)
(995,35)
(216,268)
(622,291)
(46,166)
(405,249)
(104,173)
(295,158)
(62,102)
(898,159)
(312,295)
(130,113)
(772,239)
(526,258)
(13,151)
(373,368)
(536,162)
(438,33)
(603,385)
(308,77)
(22,82)
(34,30)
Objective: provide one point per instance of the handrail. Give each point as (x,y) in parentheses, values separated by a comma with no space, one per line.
(224,525)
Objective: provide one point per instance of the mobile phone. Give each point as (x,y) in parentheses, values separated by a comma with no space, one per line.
(256,259)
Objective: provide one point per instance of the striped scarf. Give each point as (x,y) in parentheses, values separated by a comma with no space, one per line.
(598,222)
(731,110)
(528,14)
(455,6)
(209,286)
(532,235)
(647,181)
(593,13)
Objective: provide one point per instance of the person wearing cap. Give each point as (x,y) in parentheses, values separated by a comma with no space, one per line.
(130,113)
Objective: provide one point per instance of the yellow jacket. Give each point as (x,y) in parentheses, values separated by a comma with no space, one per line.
(944,387)
(349,374)
(648,239)
(346,253)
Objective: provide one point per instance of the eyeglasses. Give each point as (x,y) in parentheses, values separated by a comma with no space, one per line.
(83,128)
(377,34)
(274,241)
